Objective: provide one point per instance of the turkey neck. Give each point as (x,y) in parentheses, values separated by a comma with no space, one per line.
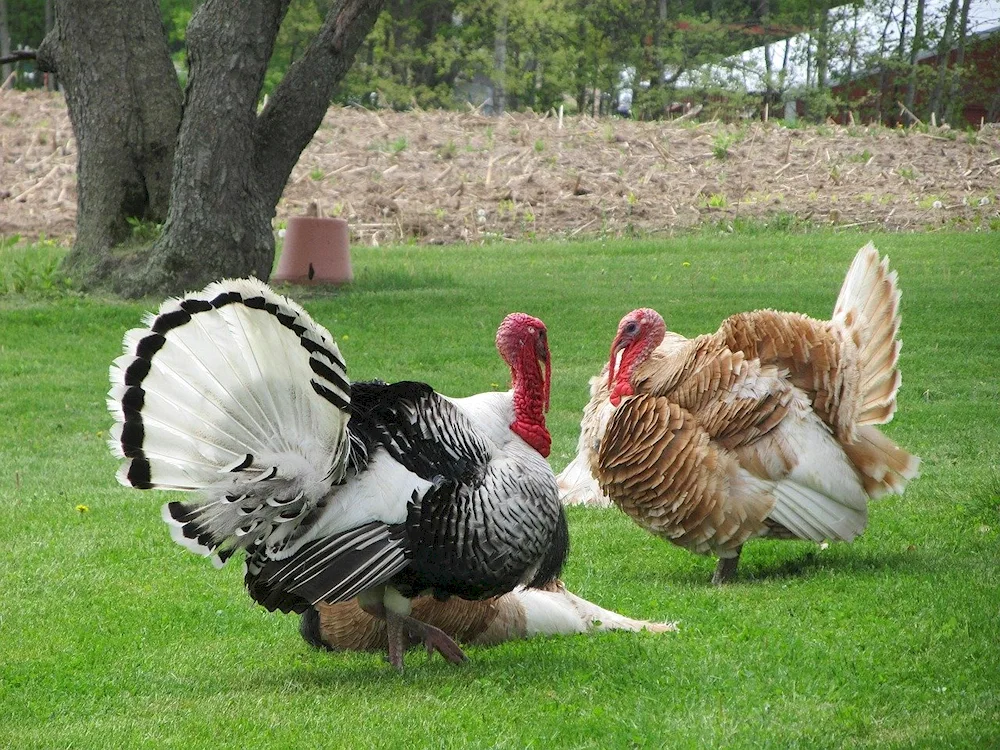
(530,403)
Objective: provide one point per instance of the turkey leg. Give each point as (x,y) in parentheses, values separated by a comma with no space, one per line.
(400,627)
(725,571)
(434,639)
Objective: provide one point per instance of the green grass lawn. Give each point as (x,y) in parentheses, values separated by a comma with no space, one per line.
(111,636)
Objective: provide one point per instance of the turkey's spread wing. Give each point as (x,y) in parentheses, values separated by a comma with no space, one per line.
(735,399)
(662,468)
(814,352)
(417,427)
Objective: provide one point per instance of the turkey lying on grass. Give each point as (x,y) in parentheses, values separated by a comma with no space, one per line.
(334,489)
(523,613)
(765,428)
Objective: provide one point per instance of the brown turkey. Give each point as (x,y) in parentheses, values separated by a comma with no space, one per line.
(523,613)
(766,428)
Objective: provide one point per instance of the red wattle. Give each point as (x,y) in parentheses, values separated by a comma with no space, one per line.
(534,435)
(619,391)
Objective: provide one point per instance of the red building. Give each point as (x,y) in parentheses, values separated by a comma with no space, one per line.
(871,94)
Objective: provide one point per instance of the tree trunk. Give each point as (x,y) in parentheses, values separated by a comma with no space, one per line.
(220,167)
(50,23)
(232,165)
(944,52)
(218,224)
(915,49)
(124,103)
(6,69)
(883,75)
(823,49)
(764,13)
(852,54)
(954,103)
(500,60)
(901,49)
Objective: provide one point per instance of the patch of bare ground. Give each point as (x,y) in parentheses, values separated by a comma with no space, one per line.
(442,177)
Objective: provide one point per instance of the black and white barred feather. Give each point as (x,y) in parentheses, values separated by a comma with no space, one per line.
(237,394)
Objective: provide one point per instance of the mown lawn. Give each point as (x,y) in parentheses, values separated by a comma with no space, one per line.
(111,636)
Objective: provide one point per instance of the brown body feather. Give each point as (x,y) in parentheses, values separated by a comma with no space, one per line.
(520,614)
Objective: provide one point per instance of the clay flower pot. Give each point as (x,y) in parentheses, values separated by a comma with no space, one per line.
(316,251)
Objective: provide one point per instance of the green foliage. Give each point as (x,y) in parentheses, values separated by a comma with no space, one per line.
(715,200)
(121,639)
(31,269)
(176,16)
(445,54)
(303,19)
(723,140)
(144,230)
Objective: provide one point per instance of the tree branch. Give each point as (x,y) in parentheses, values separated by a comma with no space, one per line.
(297,106)
(21,54)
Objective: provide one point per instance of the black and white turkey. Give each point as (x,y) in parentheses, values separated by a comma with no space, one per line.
(334,489)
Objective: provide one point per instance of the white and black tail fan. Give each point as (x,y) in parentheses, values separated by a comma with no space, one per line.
(234,393)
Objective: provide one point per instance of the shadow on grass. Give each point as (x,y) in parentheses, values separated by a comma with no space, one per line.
(765,565)
(813,561)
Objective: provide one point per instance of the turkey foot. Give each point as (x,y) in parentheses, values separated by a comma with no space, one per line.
(725,571)
(398,627)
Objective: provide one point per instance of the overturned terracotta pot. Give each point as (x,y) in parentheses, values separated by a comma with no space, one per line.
(316,251)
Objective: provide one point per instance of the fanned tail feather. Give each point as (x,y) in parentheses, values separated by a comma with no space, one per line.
(810,514)
(237,394)
(577,485)
(884,466)
(867,309)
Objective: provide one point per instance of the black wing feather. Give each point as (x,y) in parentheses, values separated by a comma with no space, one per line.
(330,569)
(417,427)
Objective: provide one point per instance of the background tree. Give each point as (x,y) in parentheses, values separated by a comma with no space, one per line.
(209,165)
(915,49)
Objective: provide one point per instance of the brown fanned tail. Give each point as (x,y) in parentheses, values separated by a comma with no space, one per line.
(868,311)
(884,466)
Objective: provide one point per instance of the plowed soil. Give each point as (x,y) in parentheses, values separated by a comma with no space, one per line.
(442,177)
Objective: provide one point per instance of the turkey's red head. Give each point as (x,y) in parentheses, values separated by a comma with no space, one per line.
(639,333)
(523,343)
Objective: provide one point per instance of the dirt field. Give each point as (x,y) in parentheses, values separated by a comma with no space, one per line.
(446,177)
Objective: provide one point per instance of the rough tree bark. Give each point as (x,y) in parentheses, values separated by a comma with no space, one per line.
(125,105)
(230,164)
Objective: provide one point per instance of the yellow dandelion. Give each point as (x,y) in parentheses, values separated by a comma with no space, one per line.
(82,508)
